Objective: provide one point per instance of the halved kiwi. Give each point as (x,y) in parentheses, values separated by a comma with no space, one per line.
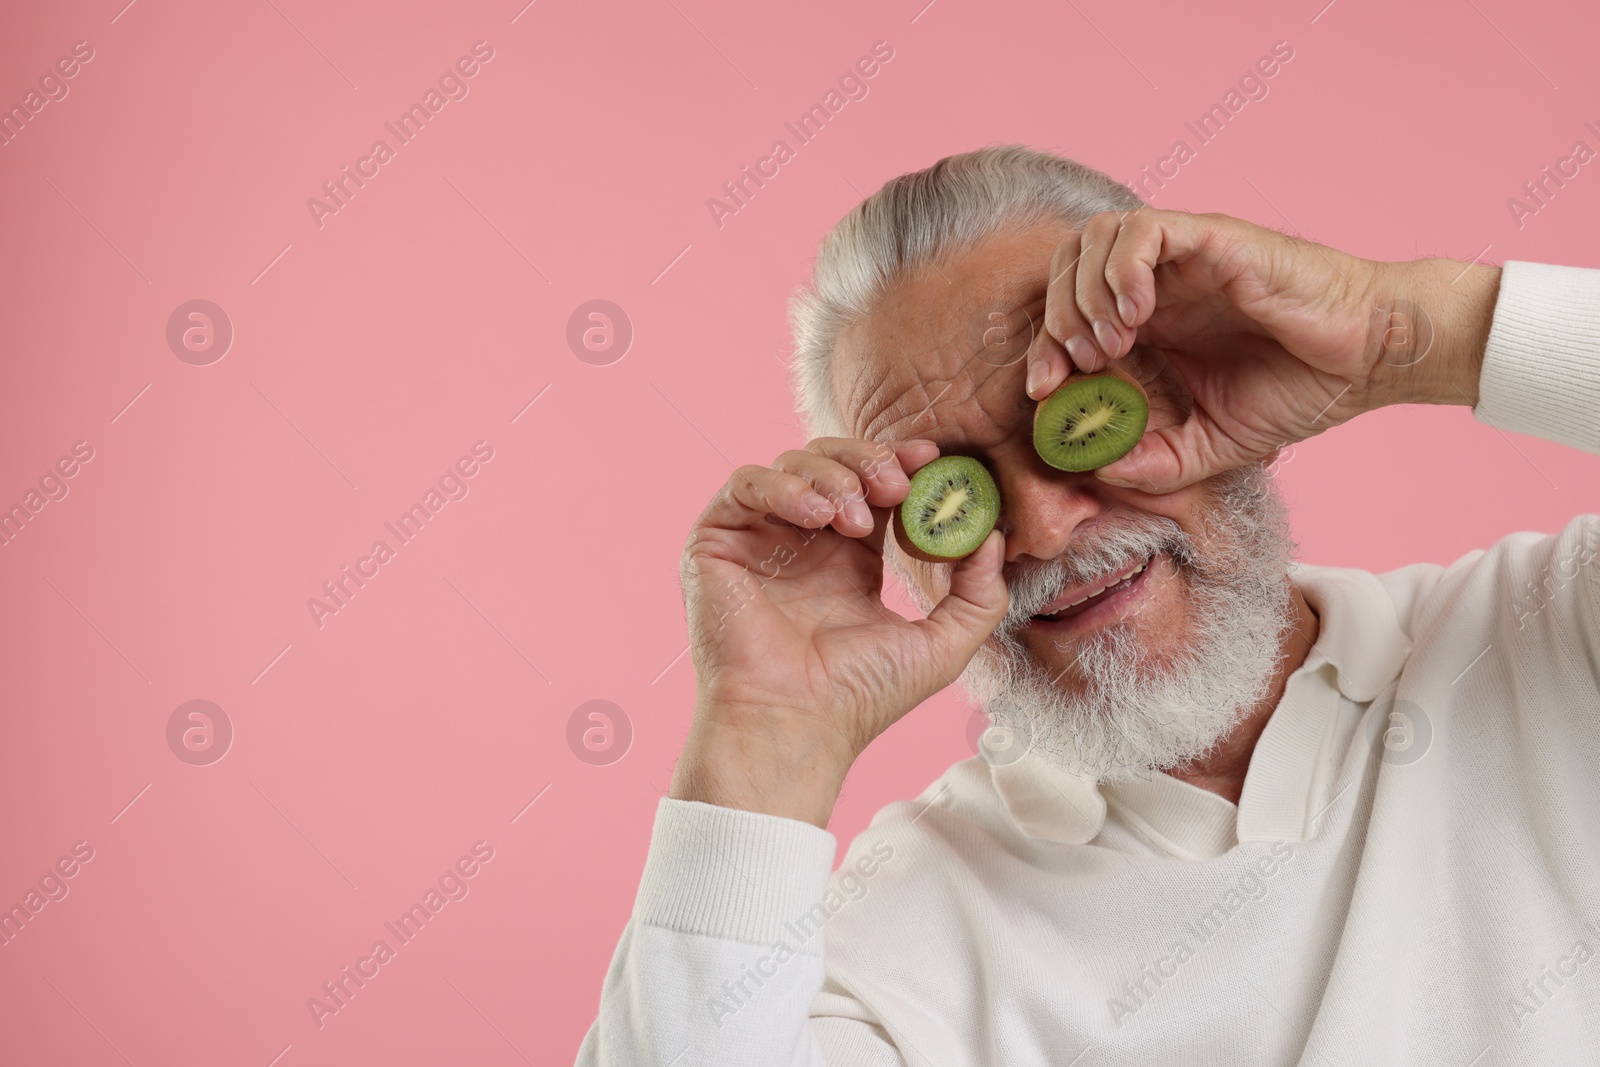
(1090,421)
(952,506)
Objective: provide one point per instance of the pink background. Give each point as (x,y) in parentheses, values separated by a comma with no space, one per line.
(369,354)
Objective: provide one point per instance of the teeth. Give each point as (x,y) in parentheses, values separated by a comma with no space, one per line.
(1091,595)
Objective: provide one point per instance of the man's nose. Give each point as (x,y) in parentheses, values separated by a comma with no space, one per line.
(1042,508)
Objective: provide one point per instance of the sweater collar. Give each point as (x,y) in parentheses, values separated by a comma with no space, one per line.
(1359,631)
(1360,649)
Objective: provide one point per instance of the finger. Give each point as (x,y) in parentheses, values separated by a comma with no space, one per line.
(838,483)
(1096,302)
(882,468)
(1062,320)
(1168,459)
(752,493)
(1149,238)
(1130,267)
(857,476)
(913,456)
(968,614)
(1048,366)
(915,453)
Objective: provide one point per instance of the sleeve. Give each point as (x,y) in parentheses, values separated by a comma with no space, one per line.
(1541,376)
(709,972)
(1541,367)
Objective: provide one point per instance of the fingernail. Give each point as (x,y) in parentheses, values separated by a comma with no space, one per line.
(1106,334)
(916,441)
(1082,352)
(858,512)
(1126,309)
(1037,372)
(818,504)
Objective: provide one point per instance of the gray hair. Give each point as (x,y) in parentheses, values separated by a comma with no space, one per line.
(911,222)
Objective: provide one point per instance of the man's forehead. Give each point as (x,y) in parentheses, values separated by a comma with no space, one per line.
(942,354)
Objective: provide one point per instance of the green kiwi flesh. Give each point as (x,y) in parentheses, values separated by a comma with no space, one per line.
(952,506)
(1090,422)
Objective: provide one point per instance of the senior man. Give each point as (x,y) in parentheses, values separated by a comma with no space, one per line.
(1234,810)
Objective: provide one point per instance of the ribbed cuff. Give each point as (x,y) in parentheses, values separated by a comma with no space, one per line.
(1541,369)
(731,874)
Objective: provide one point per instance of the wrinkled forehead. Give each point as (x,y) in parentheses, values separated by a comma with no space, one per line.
(943,353)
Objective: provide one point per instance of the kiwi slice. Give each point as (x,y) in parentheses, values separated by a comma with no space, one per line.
(1090,421)
(952,506)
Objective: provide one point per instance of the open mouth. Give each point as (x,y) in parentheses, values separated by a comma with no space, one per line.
(1087,604)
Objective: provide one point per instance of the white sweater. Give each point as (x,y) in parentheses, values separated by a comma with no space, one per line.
(1412,875)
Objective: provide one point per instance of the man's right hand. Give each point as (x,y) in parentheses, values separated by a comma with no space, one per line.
(799,663)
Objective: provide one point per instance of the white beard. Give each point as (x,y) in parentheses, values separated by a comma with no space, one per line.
(1135,712)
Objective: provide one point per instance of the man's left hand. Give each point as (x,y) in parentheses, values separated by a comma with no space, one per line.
(1275,339)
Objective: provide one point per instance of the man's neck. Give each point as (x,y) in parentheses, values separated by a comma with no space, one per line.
(1222,771)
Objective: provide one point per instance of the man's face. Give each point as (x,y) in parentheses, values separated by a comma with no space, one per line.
(943,357)
(1142,627)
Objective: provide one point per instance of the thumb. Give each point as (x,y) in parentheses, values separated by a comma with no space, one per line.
(969,613)
(1163,461)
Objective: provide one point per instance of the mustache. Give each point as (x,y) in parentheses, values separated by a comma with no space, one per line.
(1035,583)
